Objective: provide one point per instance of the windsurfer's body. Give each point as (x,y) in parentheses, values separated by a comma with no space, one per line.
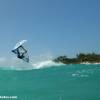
(20,51)
(20,55)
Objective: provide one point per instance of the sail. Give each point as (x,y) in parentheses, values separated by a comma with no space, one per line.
(21,51)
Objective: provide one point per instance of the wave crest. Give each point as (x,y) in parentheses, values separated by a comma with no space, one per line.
(30,66)
(44,64)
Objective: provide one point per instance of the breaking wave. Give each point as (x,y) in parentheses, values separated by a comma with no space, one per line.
(44,64)
(36,62)
(20,65)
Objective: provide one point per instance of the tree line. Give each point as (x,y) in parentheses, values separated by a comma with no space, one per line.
(80,58)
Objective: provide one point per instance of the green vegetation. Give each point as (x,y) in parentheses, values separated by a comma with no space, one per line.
(80,58)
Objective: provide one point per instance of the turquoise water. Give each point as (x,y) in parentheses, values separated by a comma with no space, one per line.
(68,82)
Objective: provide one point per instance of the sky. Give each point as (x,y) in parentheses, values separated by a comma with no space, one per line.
(58,27)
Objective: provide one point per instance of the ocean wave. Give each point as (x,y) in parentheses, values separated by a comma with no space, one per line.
(45,64)
(31,65)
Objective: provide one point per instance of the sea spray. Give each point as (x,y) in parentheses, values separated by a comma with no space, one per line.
(45,64)
(36,62)
(17,64)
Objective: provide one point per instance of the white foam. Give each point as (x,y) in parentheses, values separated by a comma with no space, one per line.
(17,64)
(87,63)
(44,64)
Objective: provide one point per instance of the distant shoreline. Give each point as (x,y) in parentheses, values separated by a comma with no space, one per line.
(82,58)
